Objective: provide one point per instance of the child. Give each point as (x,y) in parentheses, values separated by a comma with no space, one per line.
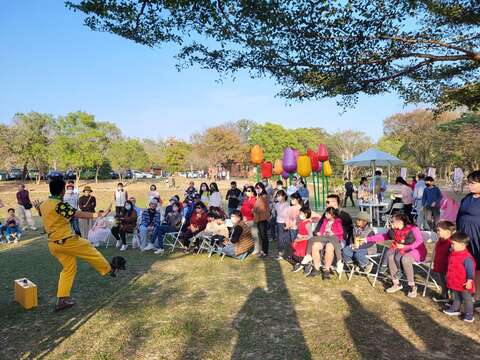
(445,230)
(100,231)
(299,245)
(460,277)
(330,237)
(283,235)
(431,200)
(120,196)
(12,227)
(359,252)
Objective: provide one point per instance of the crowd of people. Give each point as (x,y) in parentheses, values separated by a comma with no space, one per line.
(248,219)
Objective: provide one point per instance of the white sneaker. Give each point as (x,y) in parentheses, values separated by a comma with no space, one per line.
(119,244)
(33,228)
(149,247)
(124,247)
(339,267)
(159,252)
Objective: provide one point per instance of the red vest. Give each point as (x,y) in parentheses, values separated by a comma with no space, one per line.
(456,273)
(442,250)
(303,227)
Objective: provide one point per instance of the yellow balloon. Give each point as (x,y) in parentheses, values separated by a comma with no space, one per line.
(256,155)
(327,168)
(304,166)
(278,167)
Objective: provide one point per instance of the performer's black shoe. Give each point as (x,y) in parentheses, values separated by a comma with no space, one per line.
(64,303)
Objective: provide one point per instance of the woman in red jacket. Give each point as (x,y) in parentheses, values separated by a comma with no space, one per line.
(329,237)
(248,204)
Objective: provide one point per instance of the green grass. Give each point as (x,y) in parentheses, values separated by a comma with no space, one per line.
(193,307)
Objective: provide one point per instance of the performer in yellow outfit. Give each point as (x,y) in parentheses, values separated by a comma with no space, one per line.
(64,244)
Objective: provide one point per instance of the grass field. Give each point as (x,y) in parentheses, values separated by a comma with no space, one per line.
(191,307)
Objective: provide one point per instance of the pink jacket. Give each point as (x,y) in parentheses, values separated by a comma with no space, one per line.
(291,216)
(417,249)
(337,228)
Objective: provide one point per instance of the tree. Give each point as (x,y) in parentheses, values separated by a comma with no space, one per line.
(127,154)
(273,139)
(31,137)
(106,134)
(176,155)
(426,50)
(155,150)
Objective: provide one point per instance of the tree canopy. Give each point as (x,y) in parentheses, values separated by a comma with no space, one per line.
(426,50)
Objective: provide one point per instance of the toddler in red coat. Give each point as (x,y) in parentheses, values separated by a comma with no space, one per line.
(460,277)
(445,230)
(299,245)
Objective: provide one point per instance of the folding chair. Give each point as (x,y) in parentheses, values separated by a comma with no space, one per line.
(241,257)
(173,239)
(388,215)
(206,243)
(376,259)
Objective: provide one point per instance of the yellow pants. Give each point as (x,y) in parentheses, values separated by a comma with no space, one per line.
(67,254)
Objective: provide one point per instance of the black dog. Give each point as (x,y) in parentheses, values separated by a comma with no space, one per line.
(117,263)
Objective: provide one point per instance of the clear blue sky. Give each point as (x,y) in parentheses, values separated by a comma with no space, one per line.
(50,62)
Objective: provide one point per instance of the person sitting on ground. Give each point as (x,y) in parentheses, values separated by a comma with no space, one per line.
(171,224)
(12,227)
(190,190)
(407,248)
(98,234)
(240,240)
(126,223)
(362,229)
(215,197)
(461,277)
(330,237)
(197,223)
(300,243)
(151,221)
(445,230)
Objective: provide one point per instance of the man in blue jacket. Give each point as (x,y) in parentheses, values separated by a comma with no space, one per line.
(151,221)
(431,199)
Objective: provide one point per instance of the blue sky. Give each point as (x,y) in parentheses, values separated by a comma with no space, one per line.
(50,62)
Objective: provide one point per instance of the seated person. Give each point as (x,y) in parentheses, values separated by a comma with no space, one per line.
(216,228)
(99,232)
(300,243)
(151,221)
(126,223)
(174,199)
(240,240)
(330,237)
(359,252)
(12,227)
(197,223)
(171,224)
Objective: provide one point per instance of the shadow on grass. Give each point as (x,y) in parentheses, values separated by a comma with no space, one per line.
(37,332)
(267,324)
(376,339)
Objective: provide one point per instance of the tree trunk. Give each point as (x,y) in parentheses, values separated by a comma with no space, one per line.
(25,172)
(77,174)
(96,174)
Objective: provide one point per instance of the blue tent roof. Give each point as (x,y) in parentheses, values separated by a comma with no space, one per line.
(373,157)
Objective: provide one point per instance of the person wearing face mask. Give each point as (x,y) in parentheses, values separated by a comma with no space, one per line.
(283,234)
(293,188)
(303,192)
(151,221)
(261,215)
(153,193)
(86,203)
(204,194)
(293,212)
(234,197)
(240,240)
(171,224)
(120,196)
(431,200)
(126,223)
(71,198)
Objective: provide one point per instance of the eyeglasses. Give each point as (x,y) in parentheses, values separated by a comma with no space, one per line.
(248,191)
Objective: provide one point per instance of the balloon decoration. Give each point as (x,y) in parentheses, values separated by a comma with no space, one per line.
(322,152)
(289,161)
(327,169)
(256,157)
(266,169)
(314,160)
(285,174)
(278,168)
(304,166)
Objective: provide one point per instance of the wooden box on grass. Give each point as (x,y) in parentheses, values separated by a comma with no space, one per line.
(26,293)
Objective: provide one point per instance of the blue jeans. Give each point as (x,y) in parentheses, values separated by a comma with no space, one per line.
(360,255)
(75,226)
(230,211)
(12,230)
(229,250)
(144,233)
(283,237)
(162,230)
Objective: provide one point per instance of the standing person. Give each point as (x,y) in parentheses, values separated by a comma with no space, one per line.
(407,197)
(24,208)
(292,217)
(120,196)
(86,203)
(66,246)
(303,192)
(349,190)
(204,194)
(248,202)
(413,183)
(283,234)
(417,197)
(71,198)
(215,197)
(460,277)
(126,223)
(153,193)
(431,200)
(378,186)
(261,213)
(234,197)
(293,188)
(363,190)
(445,230)
(468,221)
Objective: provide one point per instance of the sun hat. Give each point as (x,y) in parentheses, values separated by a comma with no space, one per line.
(362,215)
(87,188)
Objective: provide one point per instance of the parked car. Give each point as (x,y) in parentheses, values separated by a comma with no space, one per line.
(114,175)
(54,174)
(128,174)
(70,175)
(3,175)
(15,174)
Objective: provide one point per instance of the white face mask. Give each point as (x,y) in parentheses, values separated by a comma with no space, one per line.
(279,187)
(127,207)
(70,191)
(119,189)
(302,217)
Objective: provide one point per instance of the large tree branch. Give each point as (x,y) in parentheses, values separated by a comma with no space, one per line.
(405,71)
